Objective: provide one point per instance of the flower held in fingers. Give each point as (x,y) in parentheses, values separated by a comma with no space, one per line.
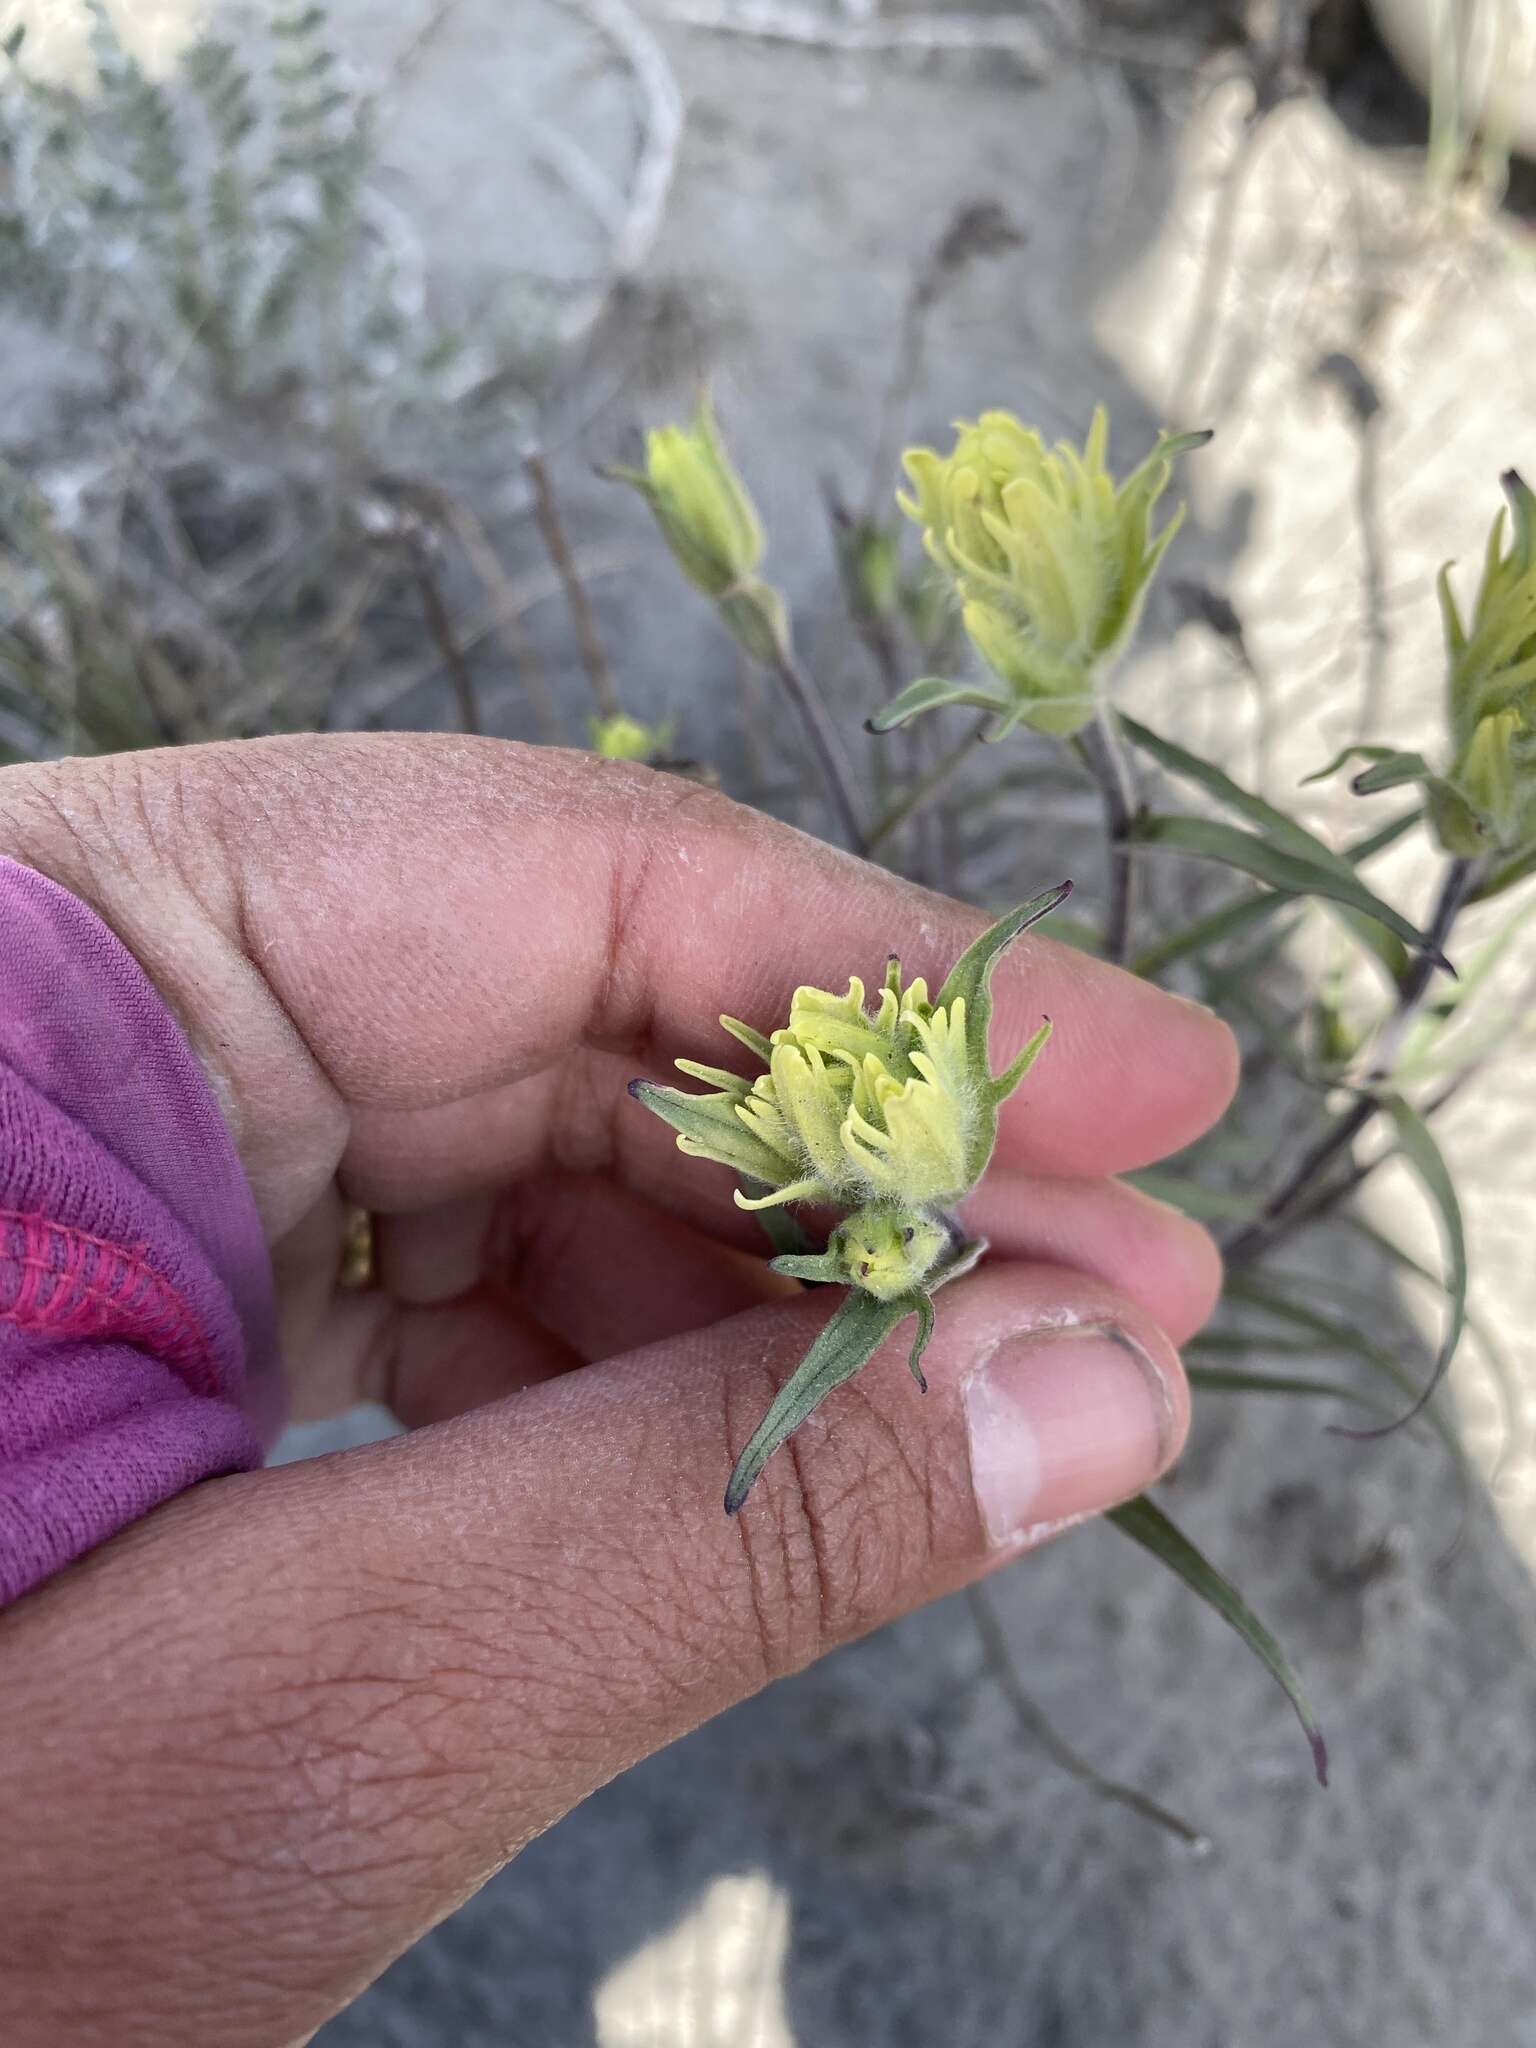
(887,1112)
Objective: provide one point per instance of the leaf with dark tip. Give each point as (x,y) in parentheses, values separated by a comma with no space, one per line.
(1388,769)
(929,693)
(1036,1725)
(710,1122)
(1292,874)
(970,980)
(1276,828)
(1419,1148)
(925,1322)
(858,1329)
(1327,1332)
(1145,1523)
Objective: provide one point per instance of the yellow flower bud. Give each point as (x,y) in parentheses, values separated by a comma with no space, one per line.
(1050,558)
(700,504)
(622,738)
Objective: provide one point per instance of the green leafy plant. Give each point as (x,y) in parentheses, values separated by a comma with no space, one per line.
(1047,564)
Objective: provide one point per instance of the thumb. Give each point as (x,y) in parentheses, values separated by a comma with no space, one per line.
(342,1693)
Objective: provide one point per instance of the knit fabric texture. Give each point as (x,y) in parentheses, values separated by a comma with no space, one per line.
(137,1347)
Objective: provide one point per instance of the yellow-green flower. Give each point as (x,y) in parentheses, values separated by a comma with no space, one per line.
(1050,559)
(708,520)
(888,1106)
(622,738)
(885,1110)
(1487,799)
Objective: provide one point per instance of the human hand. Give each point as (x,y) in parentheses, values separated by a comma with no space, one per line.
(258,1743)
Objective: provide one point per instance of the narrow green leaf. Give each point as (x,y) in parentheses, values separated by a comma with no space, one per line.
(926,1318)
(1037,1725)
(1276,827)
(1205,932)
(1328,1332)
(1502,1370)
(1391,773)
(1422,1152)
(1020,1065)
(1387,770)
(858,1329)
(1362,850)
(970,979)
(1280,829)
(1248,910)
(929,694)
(1146,1524)
(1293,874)
(1221,1379)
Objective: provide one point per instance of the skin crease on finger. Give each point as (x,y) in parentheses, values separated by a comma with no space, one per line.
(317,1746)
(311,1709)
(287,898)
(310,890)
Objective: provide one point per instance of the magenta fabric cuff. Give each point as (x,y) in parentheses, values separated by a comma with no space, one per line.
(137,1347)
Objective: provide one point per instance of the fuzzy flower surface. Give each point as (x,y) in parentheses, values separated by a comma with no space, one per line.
(885,1109)
(1050,558)
(708,520)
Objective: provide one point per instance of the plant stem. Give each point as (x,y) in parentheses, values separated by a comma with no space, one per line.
(440,625)
(922,792)
(836,771)
(1036,1727)
(1098,748)
(1290,1205)
(593,657)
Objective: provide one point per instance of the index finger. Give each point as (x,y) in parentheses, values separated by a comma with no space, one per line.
(438,918)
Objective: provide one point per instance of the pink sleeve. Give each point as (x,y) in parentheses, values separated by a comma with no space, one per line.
(137,1351)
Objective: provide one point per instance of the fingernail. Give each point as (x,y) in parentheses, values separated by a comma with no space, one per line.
(1061,1424)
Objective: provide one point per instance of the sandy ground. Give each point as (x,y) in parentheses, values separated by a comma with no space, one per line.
(870,1855)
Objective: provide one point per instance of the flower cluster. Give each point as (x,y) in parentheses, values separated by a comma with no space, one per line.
(877,1109)
(1050,559)
(1488,797)
(887,1112)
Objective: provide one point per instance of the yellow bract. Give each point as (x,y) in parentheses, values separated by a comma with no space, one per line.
(1050,558)
(865,1105)
(701,504)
